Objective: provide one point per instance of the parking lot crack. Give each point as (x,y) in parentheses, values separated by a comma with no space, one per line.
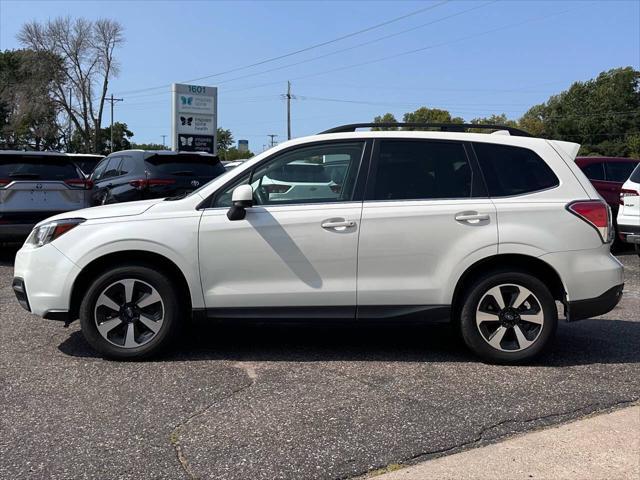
(174,436)
(481,437)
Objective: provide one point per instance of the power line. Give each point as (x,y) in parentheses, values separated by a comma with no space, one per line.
(306,49)
(442,44)
(375,40)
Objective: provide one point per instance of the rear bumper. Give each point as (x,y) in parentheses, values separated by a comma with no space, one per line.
(629,233)
(592,307)
(18,231)
(18,225)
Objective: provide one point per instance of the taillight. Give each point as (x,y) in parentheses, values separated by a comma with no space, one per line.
(4,182)
(625,192)
(276,188)
(596,213)
(79,183)
(142,183)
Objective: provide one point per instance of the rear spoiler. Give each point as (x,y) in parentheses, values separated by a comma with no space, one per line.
(568,148)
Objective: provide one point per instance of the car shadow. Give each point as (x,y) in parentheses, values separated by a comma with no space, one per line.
(582,343)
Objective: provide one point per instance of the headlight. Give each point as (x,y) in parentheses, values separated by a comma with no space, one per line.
(49,231)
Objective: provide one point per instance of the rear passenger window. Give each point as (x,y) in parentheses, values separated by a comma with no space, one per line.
(594,171)
(414,170)
(618,171)
(111,169)
(128,165)
(513,170)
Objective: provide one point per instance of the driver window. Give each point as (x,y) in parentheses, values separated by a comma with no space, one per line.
(316,174)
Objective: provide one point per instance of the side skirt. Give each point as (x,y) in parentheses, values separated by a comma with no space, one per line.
(364,313)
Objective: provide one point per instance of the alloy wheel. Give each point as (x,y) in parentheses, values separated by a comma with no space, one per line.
(509,317)
(129,313)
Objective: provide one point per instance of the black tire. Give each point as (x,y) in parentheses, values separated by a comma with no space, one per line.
(170,308)
(477,342)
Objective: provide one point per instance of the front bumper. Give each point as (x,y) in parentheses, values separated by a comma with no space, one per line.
(43,280)
(592,307)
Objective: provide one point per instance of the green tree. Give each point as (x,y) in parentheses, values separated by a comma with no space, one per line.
(28,115)
(121,136)
(233,153)
(633,144)
(494,119)
(430,115)
(599,114)
(386,118)
(224,139)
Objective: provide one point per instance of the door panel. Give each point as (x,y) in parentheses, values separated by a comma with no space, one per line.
(421,223)
(280,256)
(409,249)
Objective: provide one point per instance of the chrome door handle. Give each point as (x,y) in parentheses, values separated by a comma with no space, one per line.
(338,224)
(472,217)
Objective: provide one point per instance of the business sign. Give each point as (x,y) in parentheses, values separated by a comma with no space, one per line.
(195,118)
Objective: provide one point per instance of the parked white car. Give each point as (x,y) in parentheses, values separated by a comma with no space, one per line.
(629,211)
(486,231)
(36,185)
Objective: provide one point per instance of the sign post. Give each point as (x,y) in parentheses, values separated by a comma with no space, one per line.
(195,118)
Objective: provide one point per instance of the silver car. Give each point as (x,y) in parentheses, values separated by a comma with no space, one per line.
(37,185)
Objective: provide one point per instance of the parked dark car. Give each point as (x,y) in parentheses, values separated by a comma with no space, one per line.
(86,161)
(35,186)
(142,174)
(607,174)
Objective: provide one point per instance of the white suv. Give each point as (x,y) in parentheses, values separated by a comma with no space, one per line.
(629,211)
(487,231)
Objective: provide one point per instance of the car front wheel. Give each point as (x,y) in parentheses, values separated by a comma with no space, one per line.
(130,313)
(508,317)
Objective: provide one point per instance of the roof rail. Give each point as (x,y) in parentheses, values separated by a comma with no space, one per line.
(443,127)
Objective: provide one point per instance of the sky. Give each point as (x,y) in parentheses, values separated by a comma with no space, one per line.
(473,58)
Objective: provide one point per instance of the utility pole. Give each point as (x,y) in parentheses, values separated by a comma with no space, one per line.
(112,101)
(163,137)
(272,142)
(287,96)
(288,110)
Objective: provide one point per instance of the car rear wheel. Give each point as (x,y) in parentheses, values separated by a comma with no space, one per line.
(508,317)
(130,312)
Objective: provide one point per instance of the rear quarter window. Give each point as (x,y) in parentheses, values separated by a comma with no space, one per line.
(37,167)
(186,165)
(512,171)
(635,175)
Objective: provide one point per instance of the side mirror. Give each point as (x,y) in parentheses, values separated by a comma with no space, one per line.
(242,198)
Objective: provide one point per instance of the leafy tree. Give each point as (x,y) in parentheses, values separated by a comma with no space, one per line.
(386,118)
(86,49)
(430,115)
(599,114)
(234,154)
(494,119)
(633,144)
(224,139)
(121,136)
(28,116)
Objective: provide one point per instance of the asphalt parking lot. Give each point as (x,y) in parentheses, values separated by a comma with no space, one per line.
(266,402)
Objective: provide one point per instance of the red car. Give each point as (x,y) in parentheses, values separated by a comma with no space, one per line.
(607,174)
